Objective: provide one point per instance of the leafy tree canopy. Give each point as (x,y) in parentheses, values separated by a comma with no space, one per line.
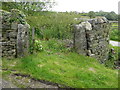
(28,6)
(91,14)
(112,16)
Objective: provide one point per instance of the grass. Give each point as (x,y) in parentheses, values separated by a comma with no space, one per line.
(114,32)
(56,63)
(53,25)
(113,57)
(59,25)
(64,67)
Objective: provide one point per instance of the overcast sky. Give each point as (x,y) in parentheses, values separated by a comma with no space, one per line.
(86,5)
(82,5)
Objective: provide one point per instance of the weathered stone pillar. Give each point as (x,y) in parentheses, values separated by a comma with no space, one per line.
(80,39)
(22,40)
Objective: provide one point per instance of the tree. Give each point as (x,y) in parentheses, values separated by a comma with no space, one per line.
(112,16)
(91,14)
(119,17)
(101,13)
(28,7)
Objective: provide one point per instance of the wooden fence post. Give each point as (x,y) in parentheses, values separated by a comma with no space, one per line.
(33,36)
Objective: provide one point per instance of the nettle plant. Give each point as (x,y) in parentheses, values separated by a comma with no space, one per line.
(38,46)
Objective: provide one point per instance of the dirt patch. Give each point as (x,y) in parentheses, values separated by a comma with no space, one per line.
(92,69)
(26,81)
(6,84)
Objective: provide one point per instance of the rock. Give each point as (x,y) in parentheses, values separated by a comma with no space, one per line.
(100,20)
(78,26)
(86,25)
(92,21)
(105,20)
(12,34)
(7,84)
(14,26)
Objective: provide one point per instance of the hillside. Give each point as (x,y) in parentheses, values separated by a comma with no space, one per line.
(56,64)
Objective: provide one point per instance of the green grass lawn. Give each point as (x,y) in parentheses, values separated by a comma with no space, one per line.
(64,67)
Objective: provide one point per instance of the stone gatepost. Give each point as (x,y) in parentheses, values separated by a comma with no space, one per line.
(80,39)
(22,40)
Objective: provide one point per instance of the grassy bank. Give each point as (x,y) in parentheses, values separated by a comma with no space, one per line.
(64,67)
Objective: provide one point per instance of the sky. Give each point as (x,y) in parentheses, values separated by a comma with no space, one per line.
(86,5)
(82,5)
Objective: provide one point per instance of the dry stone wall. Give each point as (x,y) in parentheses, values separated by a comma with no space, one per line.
(14,34)
(92,38)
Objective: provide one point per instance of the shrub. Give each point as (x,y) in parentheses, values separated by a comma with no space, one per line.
(53,25)
(37,46)
(113,57)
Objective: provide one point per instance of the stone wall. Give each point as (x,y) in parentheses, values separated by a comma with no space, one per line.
(14,34)
(92,38)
